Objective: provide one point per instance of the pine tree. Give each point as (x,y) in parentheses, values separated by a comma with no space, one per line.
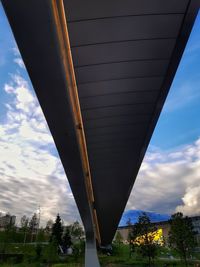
(57,231)
(67,241)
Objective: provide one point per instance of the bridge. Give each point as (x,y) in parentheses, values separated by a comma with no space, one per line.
(101,71)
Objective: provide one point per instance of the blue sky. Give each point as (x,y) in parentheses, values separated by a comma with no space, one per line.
(32,174)
(179,122)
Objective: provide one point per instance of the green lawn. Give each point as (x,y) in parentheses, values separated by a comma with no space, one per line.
(120,258)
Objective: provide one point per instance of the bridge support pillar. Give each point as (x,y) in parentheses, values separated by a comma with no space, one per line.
(91,258)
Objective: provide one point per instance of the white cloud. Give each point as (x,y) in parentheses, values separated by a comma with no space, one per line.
(19,62)
(15,50)
(17,56)
(30,174)
(168,181)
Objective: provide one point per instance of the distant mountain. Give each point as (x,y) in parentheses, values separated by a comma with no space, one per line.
(134,214)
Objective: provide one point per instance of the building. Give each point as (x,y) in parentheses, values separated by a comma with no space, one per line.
(162,225)
(164,228)
(7,220)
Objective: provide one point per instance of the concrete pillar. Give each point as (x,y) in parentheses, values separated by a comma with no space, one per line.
(91,257)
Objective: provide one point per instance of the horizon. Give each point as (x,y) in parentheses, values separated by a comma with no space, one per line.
(150,214)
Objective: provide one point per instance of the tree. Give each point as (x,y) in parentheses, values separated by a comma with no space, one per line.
(33,225)
(41,235)
(77,230)
(38,251)
(24,221)
(57,231)
(24,226)
(181,235)
(51,252)
(118,238)
(130,237)
(49,226)
(143,235)
(8,236)
(67,241)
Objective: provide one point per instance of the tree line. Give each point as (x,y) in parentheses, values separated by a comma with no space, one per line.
(46,244)
(142,237)
(54,232)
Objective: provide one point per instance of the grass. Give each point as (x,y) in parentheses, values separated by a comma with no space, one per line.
(120,258)
(20,265)
(28,249)
(67,265)
(132,264)
(40,265)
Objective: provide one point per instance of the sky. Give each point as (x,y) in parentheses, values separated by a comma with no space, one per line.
(31,174)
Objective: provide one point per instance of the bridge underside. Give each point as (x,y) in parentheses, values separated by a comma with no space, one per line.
(125,55)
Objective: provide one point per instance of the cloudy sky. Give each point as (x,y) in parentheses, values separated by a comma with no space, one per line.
(31,173)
